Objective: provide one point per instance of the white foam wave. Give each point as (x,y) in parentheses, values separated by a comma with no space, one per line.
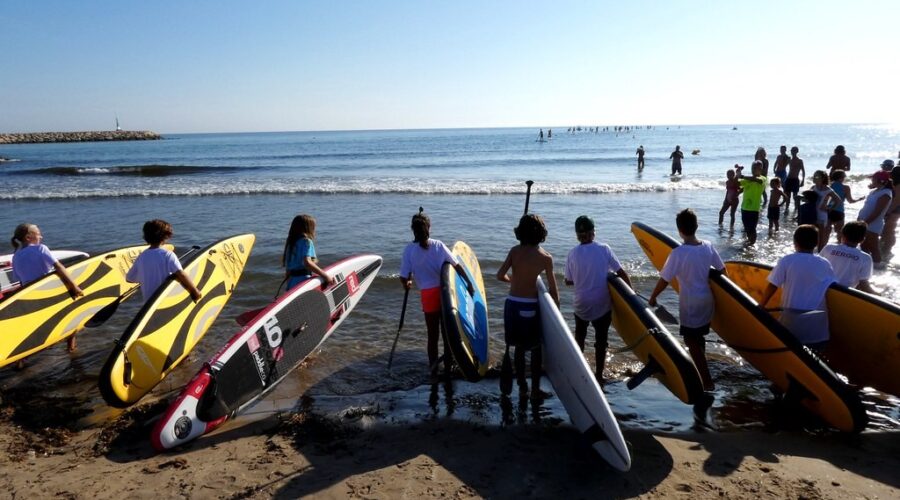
(351,186)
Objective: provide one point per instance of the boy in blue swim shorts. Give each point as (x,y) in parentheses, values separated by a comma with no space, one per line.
(521,314)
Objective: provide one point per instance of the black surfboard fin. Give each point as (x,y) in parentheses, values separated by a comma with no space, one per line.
(797,391)
(646,372)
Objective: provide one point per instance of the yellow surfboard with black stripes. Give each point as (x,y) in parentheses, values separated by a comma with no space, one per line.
(43,313)
(865,329)
(170,324)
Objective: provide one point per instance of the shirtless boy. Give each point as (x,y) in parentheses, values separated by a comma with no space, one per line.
(521,314)
(794,181)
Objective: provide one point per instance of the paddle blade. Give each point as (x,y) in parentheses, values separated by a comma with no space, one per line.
(248,316)
(103,314)
(506,374)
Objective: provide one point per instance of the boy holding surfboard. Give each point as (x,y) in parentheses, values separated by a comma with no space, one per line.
(521,319)
(804,278)
(587,266)
(689,263)
(156,263)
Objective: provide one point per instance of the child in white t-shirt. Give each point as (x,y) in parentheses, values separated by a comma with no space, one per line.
(587,266)
(156,263)
(422,261)
(804,277)
(32,260)
(689,264)
(852,266)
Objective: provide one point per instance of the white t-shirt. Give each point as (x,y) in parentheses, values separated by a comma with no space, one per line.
(804,278)
(151,268)
(877,225)
(425,264)
(851,265)
(31,263)
(587,266)
(690,264)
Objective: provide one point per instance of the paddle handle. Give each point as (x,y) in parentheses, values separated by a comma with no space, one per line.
(527,195)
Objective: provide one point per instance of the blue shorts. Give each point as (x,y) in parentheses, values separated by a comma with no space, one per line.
(522,322)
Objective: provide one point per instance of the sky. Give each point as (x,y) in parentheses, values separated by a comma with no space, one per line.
(227,66)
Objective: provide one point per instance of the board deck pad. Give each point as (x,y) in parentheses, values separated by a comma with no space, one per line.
(576,386)
(865,329)
(768,345)
(465,316)
(266,350)
(650,341)
(43,313)
(170,324)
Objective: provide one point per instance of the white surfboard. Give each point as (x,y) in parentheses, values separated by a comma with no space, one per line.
(576,386)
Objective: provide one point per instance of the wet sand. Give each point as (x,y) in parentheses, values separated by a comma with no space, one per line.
(449,440)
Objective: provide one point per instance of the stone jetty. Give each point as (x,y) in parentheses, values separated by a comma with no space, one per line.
(111,135)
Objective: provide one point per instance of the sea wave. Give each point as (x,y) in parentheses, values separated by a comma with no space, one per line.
(128,170)
(354,186)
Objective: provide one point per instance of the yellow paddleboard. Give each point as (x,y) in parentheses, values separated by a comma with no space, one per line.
(865,329)
(43,313)
(652,343)
(170,324)
(767,345)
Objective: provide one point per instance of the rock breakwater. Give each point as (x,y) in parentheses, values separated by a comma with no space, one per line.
(111,135)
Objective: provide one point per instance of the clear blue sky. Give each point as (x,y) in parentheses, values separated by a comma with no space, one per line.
(216,66)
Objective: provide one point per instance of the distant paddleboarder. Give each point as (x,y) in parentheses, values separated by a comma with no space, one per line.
(541,136)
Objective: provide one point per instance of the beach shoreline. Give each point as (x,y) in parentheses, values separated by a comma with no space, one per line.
(365,455)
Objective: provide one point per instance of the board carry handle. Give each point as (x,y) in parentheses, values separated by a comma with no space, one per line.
(108,310)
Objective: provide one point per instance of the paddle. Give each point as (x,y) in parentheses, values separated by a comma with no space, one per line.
(399,328)
(248,316)
(107,311)
(506,368)
(661,312)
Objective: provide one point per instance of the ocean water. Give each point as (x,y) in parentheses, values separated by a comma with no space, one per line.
(362,187)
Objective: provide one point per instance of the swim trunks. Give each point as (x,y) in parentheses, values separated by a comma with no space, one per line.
(431,300)
(792,185)
(522,322)
(774,214)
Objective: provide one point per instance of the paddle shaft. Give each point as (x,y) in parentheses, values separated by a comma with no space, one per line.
(527,195)
(399,328)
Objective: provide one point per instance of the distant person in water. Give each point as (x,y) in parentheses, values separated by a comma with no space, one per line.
(549,134)
(676,158)
(732,195)
(794,182)
(640,155)
(781,164)
(754,188)
(541,135)
(839,160)
(760,156)
(776,200)
(889,233)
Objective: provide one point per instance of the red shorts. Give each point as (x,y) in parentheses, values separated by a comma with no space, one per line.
(431,300)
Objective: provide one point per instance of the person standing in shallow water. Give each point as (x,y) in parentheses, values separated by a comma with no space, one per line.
(640,155)
(839,160)
(781,163)
(754,187)
(761,157)
(676,158)
(794,182)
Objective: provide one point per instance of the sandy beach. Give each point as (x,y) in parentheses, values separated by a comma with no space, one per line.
(399,445)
